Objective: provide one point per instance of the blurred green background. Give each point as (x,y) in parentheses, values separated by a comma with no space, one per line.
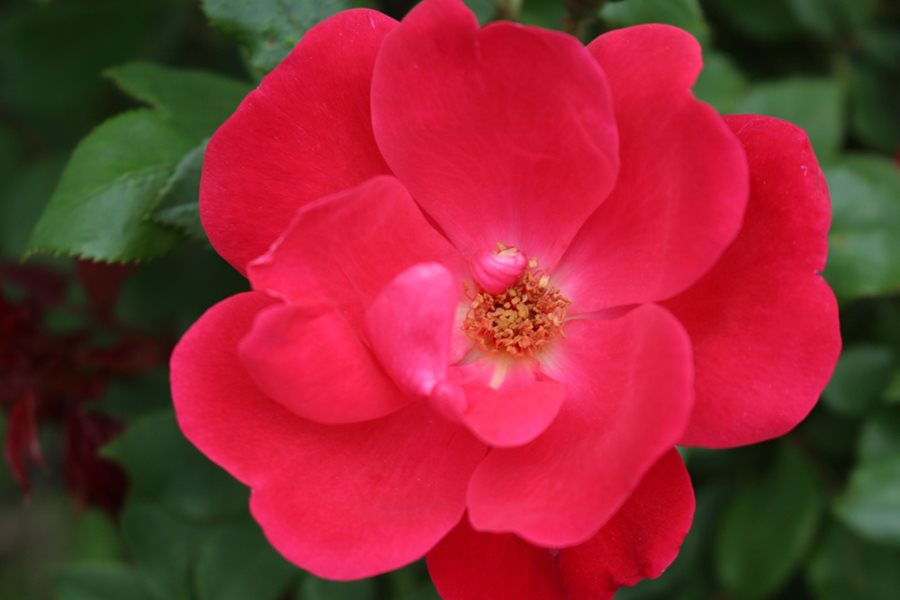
(102,499)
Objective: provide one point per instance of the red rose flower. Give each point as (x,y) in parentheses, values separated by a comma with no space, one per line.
(497,278)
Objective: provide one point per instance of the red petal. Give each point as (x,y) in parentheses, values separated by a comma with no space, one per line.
(682,187)
(469,565)
(309,359)
(349,246)
(342,501)
(502,135)
(629,397)
(513,415)
(640,541)
(763,322)
(304,133)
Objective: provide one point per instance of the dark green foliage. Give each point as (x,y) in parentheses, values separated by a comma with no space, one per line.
(768,526)
(268,29)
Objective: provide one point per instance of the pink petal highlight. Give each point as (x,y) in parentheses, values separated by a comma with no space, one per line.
(409,326)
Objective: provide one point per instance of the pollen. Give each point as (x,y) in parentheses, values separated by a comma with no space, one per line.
(520,320)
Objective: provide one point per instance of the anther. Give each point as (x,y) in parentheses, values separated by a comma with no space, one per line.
(520,318)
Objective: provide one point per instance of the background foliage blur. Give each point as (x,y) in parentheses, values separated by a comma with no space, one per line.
(105,107)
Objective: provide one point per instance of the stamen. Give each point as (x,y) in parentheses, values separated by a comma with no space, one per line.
(520,319)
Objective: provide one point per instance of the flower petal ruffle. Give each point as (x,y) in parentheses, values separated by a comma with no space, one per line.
(494,146)
(304,133)
(629,384)
(763,322)
(682,186)
(342,501)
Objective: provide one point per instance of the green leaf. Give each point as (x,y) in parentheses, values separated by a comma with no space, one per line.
(685,14)
(125,167)
(269,29)
(892,393)
(164,547)
(768,526)
(871,503)
(864,253)
(178,206)
(880,437)
(860,379)
(816,105)
(484,9)
(844,567)
(110,183)
(828,19)
(314,588)
(720,82)
(99,582)
(543,13)
(766,20)
(833,437)
(195,102)
(94,538)
(874,98)
(163,467)
(236,563)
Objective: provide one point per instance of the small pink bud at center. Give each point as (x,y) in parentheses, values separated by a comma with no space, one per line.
(496,271)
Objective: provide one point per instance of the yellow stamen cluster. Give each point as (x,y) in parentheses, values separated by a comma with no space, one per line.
(520,320)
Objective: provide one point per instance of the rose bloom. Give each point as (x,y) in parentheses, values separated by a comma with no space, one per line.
(497,276)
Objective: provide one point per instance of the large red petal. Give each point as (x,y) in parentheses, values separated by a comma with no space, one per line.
(343,501)
(682,187)
(502,135)
(349,246)
(304,133)
(309,359)
(640,541)
(629,397)
(763,322)
(469,565)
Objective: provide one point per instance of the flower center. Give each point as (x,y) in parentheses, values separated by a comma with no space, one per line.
(519,320)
